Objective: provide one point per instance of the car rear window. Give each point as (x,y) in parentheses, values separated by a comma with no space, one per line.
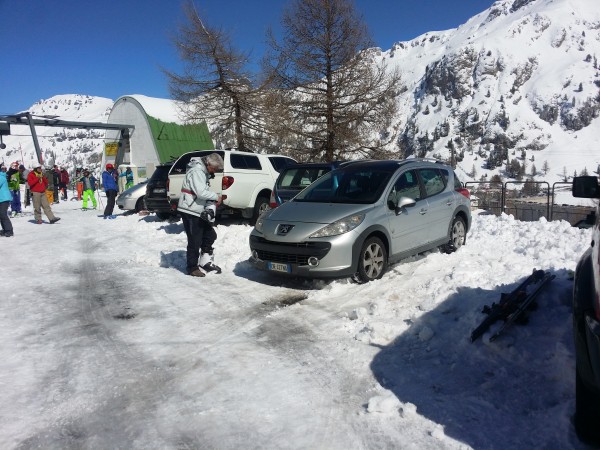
(180,165)
(250,162)
(281,162)
(457,183)
(160,173)
(300,177)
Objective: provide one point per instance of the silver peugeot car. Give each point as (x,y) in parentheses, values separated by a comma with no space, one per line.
(359,218)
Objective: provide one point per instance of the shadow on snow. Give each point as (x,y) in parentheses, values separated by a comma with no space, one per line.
(510,393)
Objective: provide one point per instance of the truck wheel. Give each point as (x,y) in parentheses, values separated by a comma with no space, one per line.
(262,205)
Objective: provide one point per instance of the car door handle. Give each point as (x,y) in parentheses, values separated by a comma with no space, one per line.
(423,211)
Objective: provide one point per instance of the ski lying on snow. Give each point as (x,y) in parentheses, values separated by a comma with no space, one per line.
(514,305)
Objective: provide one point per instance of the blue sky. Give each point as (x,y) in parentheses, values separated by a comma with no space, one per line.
(111,48)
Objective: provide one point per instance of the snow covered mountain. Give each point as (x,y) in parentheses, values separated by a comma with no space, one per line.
(517,83)
(68,147)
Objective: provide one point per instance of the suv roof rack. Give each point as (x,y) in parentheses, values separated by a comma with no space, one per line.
(432,160)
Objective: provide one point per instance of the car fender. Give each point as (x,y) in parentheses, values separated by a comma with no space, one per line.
(261,187)
(583,285)
(464,212)
(582,306)
(374,230)
(232,201)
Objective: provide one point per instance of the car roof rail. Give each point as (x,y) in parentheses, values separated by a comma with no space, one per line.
(431,160)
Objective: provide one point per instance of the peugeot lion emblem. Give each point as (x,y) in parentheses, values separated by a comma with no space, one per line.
(284,229)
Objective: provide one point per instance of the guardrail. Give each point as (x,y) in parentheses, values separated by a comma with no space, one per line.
(534,200)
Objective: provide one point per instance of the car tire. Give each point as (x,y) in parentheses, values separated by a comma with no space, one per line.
(140,204)
(261,205)
(587,411)
(458,235)
(372,260)
(163,216)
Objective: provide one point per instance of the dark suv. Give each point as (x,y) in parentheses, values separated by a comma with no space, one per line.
(157,200)
(586,324)
(296,177)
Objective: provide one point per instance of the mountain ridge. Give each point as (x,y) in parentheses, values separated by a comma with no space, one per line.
(521,76)
(516,85)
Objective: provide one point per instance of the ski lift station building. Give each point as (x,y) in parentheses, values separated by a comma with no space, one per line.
(158,134)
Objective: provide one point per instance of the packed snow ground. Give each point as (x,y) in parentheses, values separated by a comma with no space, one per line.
(106,343)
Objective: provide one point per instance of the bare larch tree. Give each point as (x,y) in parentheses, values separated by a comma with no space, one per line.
(215,85)
(335,98)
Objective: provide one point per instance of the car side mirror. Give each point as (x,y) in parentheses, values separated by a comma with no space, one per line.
(404,202)
(586,187)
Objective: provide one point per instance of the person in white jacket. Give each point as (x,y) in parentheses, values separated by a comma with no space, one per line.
(195,194)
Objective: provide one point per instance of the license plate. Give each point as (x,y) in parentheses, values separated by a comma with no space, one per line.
(278,267)
(160,191)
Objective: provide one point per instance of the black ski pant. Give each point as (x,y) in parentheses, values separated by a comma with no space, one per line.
(200,236)
(111,196)
(4,219)
(63,188)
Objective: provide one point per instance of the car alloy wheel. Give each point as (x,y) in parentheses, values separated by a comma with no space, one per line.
(458,235)
(372,260)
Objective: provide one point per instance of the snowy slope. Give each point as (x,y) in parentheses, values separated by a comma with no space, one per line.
(68,147)
(521,76)
(106,343)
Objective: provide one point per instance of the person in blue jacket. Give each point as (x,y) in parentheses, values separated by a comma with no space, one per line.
(128,174)
(5,199)
(109,183)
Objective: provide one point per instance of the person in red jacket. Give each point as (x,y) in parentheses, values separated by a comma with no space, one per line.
(64,182)
(37,185)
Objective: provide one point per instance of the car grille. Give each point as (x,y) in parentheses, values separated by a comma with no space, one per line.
(286,252)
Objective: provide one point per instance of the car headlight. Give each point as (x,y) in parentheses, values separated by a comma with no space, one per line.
(258,226)
(340,226)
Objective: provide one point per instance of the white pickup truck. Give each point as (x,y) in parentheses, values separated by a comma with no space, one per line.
(245,183)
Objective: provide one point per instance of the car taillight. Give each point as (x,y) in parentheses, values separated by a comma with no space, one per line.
(168,185)
(226,182)
(464,192)
(272,201)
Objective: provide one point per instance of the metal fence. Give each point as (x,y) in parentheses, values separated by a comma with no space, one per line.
(528,200)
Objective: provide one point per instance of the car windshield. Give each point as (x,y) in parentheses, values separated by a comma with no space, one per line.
(351,185)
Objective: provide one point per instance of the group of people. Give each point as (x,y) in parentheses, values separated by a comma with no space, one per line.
(197,204)
(43,188)
(10,195)
(58,183)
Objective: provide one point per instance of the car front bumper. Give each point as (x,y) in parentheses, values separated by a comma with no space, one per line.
(312,259)
(126,203)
